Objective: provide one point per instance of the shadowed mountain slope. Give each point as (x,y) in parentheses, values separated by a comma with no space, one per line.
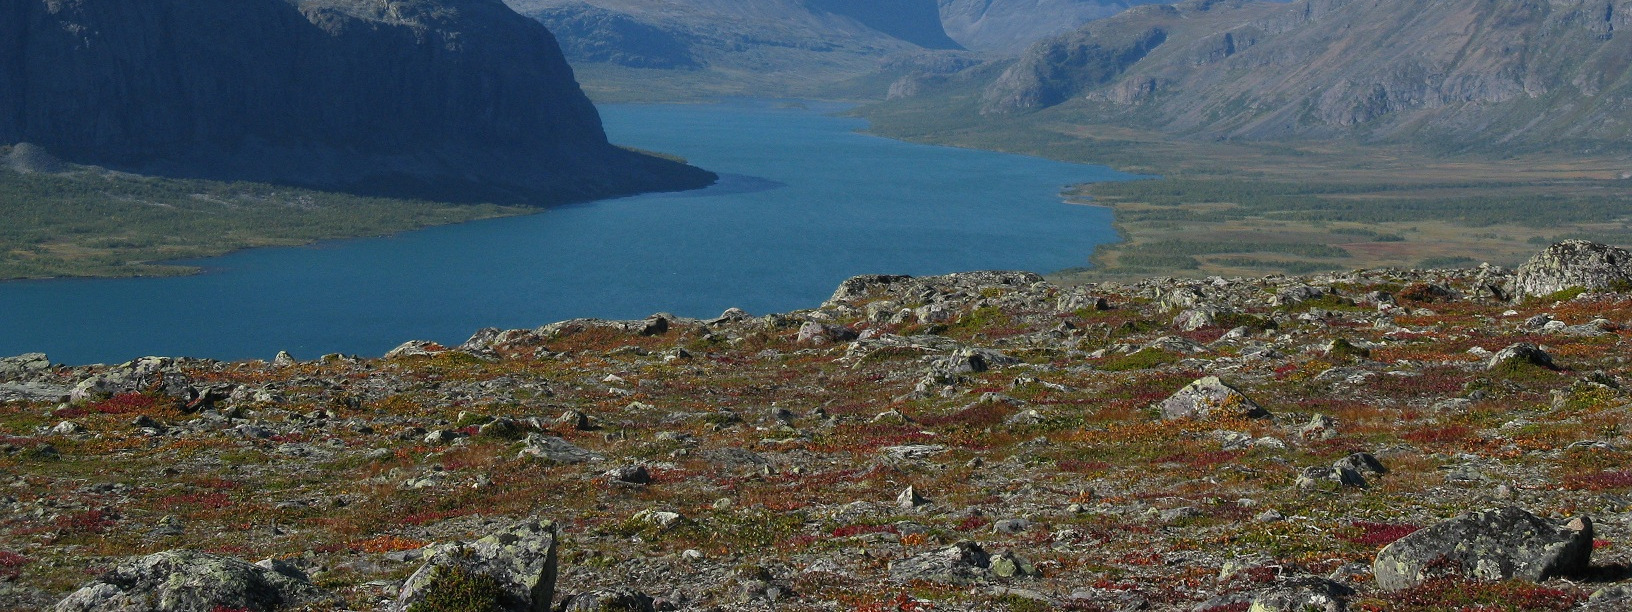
(448,99)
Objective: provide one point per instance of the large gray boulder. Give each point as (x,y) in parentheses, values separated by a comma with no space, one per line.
(132,376)
(513,570)
(189,581)
(1502,544)
(1207,397)
(12,368)
(1573,264)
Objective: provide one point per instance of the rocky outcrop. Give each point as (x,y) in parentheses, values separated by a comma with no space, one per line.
(1503,544)
(961,563)
(188,581)
(1573,264)
(513,570)
(450,99)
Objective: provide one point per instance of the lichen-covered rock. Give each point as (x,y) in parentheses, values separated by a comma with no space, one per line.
(1334,477)
(1362,463)
(555,449)
(1573,264)
(1307,594)
(961,563)
(134,375)
(616,600)
(1522,353)
(12,368)
(1502,544)
(1208,397)
(189,581)
(513,570)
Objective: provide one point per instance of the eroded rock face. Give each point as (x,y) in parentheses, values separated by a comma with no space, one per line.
(1573,264)
(516,568)
(451,99)
(1503,544)
(1208,397)
(188,581)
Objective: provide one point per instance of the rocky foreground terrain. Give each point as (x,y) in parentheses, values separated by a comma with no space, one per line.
(1374,440)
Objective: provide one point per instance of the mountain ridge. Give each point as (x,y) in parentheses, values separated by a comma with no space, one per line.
(1457,73)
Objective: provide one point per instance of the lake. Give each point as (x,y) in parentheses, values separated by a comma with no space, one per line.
(805,203)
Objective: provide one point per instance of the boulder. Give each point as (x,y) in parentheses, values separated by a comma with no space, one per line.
(1522,353)
(555,449)
(959,564)
(189,581)
(513,570)
(1362,463)
(821,333)
(1208,397)
(1573,264)
(1306,594)
(615,600)
(132,376)
(1335,477)
(1501,544)
(12,368)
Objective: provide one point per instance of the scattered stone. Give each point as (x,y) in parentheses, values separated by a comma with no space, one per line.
(1208,397)
(913,451)
(189,581)
(1502,544)
(959,564)
(555,449)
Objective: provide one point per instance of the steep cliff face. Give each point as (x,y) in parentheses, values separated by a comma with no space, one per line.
(1480,74)
(453,99)
(1009,26)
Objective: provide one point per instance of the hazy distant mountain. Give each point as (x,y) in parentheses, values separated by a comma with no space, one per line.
(443,98)
(1457,73)
(812,36)
(1009,26)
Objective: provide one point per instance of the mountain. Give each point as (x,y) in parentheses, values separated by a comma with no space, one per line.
(762,35)
(1009,26)
(1493,75)
(448,99)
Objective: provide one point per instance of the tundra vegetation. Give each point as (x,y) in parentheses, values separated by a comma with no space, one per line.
(979,441)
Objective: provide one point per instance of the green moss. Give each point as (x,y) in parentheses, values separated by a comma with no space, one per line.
(454,589)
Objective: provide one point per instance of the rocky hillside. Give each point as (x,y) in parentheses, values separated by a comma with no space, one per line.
(814,37)
(1010,26)
(1495,75)
(1374,440)
(452,99)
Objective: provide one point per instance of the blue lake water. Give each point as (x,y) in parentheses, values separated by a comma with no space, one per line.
(806,202)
